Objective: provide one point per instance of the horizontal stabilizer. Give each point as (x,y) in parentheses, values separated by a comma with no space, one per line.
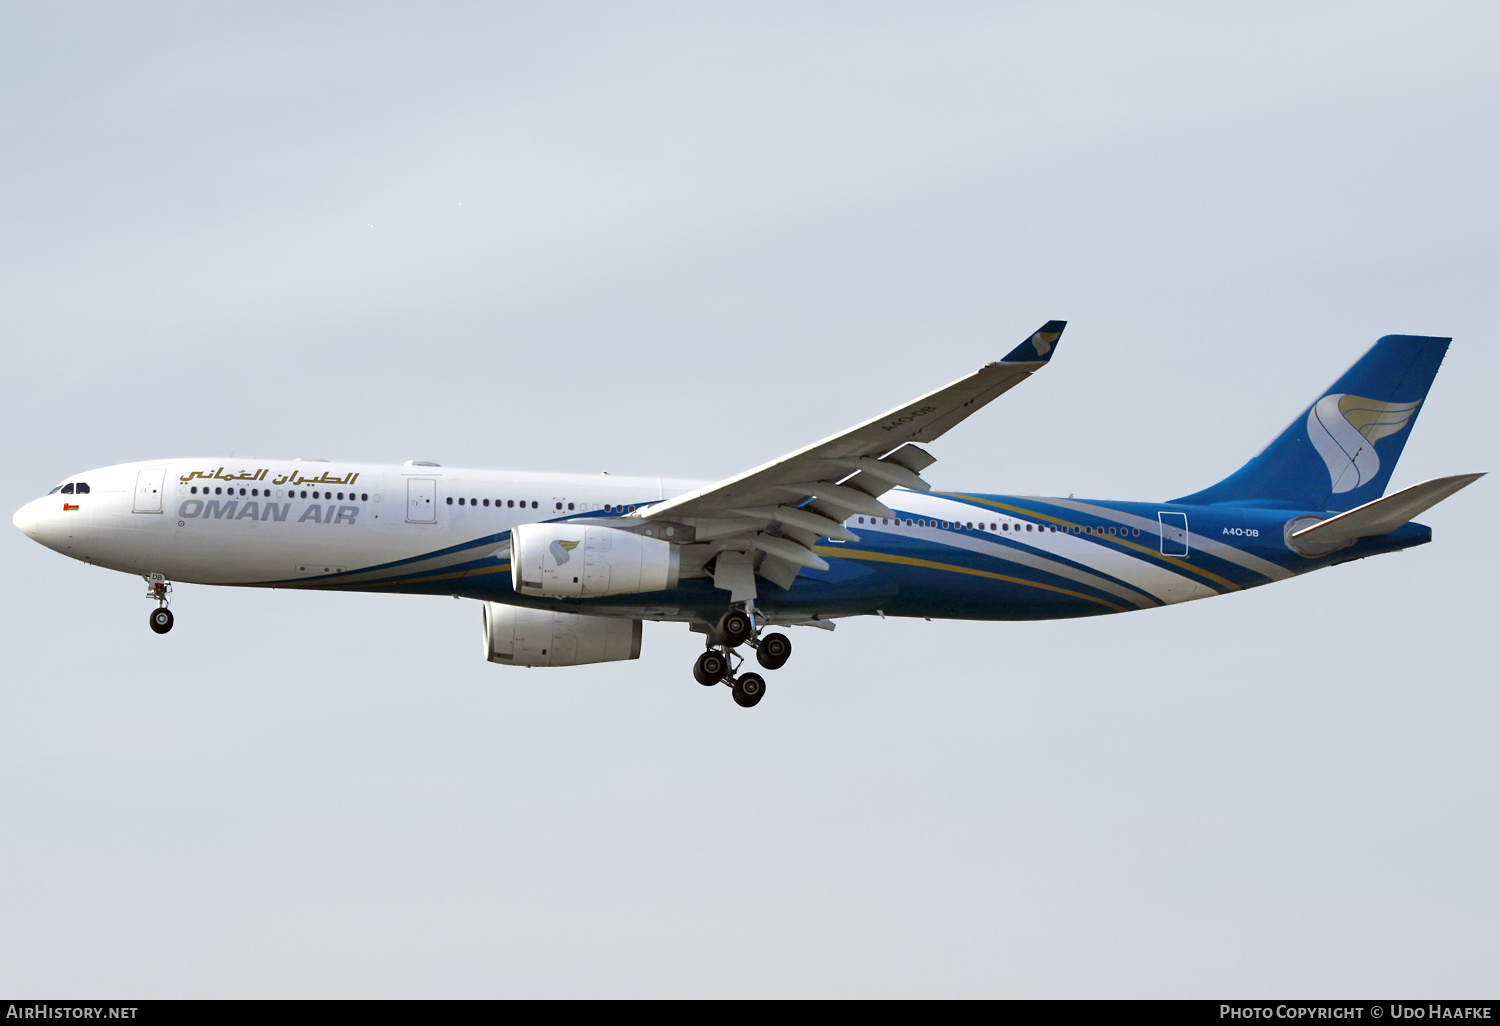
(1385,515)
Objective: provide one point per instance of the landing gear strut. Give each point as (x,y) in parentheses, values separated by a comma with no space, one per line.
(719,665)
(158,588)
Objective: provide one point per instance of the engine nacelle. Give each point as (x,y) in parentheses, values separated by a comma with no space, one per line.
(571,561)
(538,637)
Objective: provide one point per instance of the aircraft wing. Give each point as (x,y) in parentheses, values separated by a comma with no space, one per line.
(780,508)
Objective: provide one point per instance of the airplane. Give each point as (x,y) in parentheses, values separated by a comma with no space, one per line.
(567,567)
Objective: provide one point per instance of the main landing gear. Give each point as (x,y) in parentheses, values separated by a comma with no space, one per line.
(158,588)
(719,663)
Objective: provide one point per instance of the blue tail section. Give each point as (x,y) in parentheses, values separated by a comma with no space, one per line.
(1340,452)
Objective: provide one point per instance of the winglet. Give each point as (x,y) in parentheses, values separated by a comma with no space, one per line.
(1038,348)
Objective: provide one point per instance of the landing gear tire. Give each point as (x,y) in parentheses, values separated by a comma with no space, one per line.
(161,620)
(710,668)
(735,628)
(749,688)
(774,650)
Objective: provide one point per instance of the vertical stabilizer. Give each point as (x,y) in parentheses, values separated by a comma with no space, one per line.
(1340,452)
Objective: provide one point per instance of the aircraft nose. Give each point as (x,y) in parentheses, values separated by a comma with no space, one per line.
(25,520)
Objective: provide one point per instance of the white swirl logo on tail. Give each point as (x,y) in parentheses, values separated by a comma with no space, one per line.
(560,550)
(1042,341)
(1344,430)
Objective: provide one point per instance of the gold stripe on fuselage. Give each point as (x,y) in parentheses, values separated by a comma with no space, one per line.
(885,557)
(1123,542)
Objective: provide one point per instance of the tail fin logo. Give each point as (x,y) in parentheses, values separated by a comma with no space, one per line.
(1042,341)
(1344,430)
(560,550)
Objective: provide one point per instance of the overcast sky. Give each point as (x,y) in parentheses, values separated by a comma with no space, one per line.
(682,239)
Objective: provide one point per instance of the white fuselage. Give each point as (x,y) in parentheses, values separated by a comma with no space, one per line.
(242,521)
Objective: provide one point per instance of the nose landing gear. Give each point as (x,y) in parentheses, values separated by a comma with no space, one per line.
(719,664)
(158,587)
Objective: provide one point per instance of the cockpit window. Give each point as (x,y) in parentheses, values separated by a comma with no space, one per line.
(55,490)
(68,488)
(83,488)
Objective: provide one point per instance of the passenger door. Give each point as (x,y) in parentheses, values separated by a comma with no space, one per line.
(148,488)
(421,500)
(1174,533)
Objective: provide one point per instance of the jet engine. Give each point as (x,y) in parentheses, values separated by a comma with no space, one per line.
(571,561)
(538,637)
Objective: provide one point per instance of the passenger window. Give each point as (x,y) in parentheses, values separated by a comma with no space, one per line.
(533,504)
(363,496)
(450,500)
(194,489)
(1028,527)
(510,502)
(486,502)
(67,489)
